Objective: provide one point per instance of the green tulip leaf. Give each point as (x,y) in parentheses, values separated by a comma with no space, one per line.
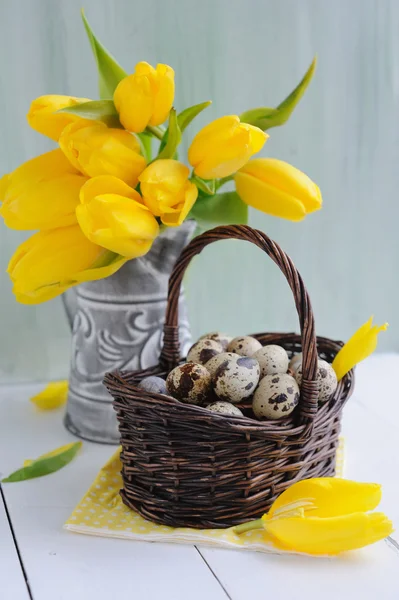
(186,116)
(208,187)
(97,110)
(221,209)
(265,117)
(145,140)
(46,464)
(110,73)
(171,138)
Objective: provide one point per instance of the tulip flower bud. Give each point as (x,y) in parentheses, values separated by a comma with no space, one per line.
(167,192)
(44,118)
(224,146)
(50,262)
(277,188)
(112,215)
(42,193)
(94,149)
(145,97)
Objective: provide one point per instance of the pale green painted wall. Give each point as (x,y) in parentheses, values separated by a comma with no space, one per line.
(345,134)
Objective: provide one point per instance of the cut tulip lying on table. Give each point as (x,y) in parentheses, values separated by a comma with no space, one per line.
(324,516)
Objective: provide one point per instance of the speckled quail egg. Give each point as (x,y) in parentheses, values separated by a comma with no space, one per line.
(244,346)
(295,362)
(217,336)
(217,360)
(225,408)
(236,378)
(276,396)
(327,378)
(204,350)
(189,383)
(153,384)
(271,359)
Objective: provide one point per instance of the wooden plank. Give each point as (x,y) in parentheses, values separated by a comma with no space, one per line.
(12,581)
(370,430)
(61,565)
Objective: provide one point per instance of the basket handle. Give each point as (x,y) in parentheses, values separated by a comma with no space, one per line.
(170,355)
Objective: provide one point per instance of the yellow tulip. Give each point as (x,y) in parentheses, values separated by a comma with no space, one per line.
(112,215)
(167,192)
(277,188)
(44,118)
(145,97)
(325,515)
(94,149)
(50,262)
(42,193)
(224,146)
(360,346)
(52,396)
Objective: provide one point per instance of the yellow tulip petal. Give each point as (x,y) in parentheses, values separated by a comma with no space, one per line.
(42,193)
(165,94)
(318,536)
(224,146)
(176,218)
(107,184)
(327,497)
(268,199)
(219,131)
(50,262)
(119,224)
(44,118)
(257,138)
(95,149)
(167,192)
(360,346)
(284,177)
(53,396)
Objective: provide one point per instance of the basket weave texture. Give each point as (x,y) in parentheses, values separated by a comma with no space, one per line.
(185,466)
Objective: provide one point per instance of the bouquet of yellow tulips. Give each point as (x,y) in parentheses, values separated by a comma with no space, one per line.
(114,181)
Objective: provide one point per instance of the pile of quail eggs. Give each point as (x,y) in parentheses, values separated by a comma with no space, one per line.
(222,372)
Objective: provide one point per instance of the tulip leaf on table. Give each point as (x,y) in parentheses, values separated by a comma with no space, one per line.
(45,464)
(53,396)
(220,209)
(110,73)
(172,137)
(266,118)
(97,110)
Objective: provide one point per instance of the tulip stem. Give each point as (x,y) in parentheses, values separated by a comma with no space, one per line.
(258,524)
(156,131)
(223,180)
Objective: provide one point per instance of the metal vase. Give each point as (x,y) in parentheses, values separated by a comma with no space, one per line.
(117,324)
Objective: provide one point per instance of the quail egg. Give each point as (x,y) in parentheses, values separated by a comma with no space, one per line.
(219,337)
(153,384)
(225,408)
(189,383)
(276,396)
(295,362)
(236,378)
(244,346)
(204,350)
(327,378)
(217,360)
(271,359)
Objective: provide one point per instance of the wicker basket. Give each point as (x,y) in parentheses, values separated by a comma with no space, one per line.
(186,466)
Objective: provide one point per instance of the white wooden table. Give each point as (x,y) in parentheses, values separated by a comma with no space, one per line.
(39,560)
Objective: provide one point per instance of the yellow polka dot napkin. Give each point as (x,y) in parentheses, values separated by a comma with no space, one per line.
(101,512)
